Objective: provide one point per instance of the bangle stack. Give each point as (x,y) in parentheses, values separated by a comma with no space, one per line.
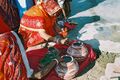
(57,40)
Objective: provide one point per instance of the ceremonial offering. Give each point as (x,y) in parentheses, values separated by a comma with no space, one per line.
(77,49)
(67,67)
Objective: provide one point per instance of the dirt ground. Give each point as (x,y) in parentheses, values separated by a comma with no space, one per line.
(95,70)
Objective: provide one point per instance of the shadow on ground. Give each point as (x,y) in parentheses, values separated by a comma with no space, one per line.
(78,6)
(81,22)
(91,65)
(98,53)
(96,47)
(82,5)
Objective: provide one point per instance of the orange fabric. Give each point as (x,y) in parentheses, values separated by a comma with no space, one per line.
(36,18)
(46,20)
(11,63)
(1,76)
(3,27)
(64,32)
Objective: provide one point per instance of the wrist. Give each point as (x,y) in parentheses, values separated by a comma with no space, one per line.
(55,39)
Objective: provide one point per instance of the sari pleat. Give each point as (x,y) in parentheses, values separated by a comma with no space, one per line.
(11,63)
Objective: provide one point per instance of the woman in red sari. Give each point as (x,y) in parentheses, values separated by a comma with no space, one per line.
(12,58)
(38,25)
(13,62)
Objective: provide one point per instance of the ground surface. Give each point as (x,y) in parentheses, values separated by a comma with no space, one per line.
(98,23)
(96,70)
(102,12)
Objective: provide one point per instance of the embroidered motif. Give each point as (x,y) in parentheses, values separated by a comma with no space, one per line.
(33,22)
(10,63)
(11,46)
(0,53)
(51,7)
(31,40)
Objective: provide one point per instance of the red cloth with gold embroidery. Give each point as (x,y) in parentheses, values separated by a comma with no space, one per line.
(11,63)
(36,18)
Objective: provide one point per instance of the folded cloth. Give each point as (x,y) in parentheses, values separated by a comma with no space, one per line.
(35,56)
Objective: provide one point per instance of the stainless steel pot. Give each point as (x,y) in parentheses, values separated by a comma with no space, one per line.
(67,68)
(77,49)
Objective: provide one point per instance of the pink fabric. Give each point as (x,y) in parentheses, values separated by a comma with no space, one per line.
(35,56)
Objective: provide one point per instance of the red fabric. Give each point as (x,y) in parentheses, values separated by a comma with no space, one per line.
(30,37)
(36,18)
(69,26)
(35,56)
(11,63)
(3,27)
(51,7)
(35,22)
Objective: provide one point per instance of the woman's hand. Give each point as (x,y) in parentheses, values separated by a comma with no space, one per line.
(63,40)
(63,32)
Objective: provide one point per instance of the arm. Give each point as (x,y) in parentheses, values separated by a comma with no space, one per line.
(64,13)
(50,38)
(44,35)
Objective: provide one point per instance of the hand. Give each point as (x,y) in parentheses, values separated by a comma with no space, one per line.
(63,32)
(63,40)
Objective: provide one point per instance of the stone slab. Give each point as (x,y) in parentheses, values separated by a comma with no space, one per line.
(105,37)
(104,34)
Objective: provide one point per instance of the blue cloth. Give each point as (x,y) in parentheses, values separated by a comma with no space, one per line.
(23,5)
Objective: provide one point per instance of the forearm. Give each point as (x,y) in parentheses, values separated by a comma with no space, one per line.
(44,35)
(64,13)
(55,39)
(50,38)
